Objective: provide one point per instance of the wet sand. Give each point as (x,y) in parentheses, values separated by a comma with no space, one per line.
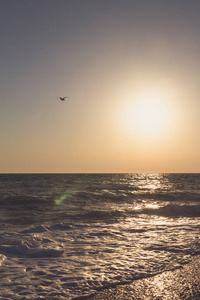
(180,284)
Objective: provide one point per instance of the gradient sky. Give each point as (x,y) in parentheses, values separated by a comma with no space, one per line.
(131,69)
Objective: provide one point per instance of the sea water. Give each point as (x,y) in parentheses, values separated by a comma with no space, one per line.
(65,236)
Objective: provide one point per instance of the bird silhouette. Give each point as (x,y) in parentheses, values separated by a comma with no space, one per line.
(62,98)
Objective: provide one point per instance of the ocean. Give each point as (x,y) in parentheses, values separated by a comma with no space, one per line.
(66,236)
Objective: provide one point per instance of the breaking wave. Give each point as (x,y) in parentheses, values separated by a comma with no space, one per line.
(173,210)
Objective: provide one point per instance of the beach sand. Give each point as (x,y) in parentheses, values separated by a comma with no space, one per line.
(183,283)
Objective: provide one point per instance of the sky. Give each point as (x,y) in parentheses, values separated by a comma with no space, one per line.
(131,71)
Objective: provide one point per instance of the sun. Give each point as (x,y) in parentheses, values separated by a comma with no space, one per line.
(149,116)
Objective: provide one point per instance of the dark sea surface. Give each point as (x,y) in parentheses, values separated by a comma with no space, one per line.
(65,236)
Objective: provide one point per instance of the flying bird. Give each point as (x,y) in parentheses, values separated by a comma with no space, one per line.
(62,98)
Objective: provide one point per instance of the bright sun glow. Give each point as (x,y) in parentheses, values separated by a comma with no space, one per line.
(149,116)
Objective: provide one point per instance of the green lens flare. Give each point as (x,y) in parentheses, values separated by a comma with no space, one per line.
(59,200)
(83,182)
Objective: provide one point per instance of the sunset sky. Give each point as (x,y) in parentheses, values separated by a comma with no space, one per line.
(131,71)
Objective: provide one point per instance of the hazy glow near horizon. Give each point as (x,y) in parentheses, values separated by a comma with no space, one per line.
(132,78)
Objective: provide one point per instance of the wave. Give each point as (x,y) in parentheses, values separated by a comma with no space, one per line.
(181,248)
(172,196)
(30,247)
(25,202)
(173,210)
(112,215)
(170,210)
(130,195)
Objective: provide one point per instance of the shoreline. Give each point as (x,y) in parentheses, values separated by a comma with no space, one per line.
(179,284)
